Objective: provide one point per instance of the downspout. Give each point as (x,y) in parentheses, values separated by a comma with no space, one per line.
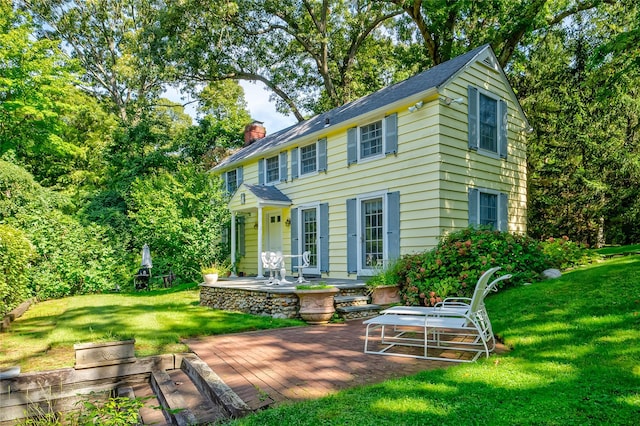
(260,271)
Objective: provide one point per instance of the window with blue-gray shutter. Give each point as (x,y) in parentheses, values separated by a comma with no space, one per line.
(489,208)
(322,155)
(391,134)
(261,177)
(240,238)
(324,237)
(239,176)
(294,163)
(283,166)
(393,225)
(504,123)
(472,94)
(352,145)
(352,236)
(294,238)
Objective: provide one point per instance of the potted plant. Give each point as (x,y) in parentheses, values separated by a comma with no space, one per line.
(383,287)
(316,302)
(212,273)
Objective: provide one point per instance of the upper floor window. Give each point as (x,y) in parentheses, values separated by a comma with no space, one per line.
(308,159)
(272,169)
(373,139)
(488,121)
(232,179)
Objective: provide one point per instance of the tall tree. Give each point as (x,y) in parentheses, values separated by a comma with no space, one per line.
(448,28)
(584,158)
(312,55)
(110,39)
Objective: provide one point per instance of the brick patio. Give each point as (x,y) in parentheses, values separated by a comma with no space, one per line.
(269,367)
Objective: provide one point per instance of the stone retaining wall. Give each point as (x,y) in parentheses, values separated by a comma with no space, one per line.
(277,305)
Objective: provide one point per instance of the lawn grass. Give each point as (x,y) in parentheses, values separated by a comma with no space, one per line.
(43,338)
(575,360)
(613,250)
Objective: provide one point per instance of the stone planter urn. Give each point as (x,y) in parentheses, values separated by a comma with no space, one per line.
(316,305)
(385,294)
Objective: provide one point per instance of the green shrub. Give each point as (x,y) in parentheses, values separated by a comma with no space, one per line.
(16,252)
(563,253)
(454,266)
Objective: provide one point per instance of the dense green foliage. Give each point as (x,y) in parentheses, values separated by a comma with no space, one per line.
(15,254)
(455,265)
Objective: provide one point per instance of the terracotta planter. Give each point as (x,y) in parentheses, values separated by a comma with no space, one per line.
(210,279)
(316,306)
(385,295)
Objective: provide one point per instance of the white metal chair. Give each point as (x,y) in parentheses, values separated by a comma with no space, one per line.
(303,264)
(456,326)
(271,261)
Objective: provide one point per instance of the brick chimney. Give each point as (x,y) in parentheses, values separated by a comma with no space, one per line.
(254,131)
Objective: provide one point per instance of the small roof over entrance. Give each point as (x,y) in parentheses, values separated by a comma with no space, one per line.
(250,197)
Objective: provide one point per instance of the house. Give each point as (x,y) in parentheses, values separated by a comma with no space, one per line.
(385,175)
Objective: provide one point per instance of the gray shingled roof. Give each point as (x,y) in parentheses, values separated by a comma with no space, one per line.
(267,193)
(432,78)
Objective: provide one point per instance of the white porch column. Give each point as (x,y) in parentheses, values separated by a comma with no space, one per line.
(233,242)
(260,271)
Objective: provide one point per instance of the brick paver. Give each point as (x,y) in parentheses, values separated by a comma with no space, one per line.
(268,367)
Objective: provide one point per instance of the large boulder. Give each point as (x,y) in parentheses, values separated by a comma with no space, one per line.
(549,274)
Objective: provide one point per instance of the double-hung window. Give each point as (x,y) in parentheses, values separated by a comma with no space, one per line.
(308,159)
(488,208)
(488,121)
(373,140)
(232,179)
(272,169)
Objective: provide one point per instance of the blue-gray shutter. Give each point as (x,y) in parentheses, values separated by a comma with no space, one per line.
(393,225)
(503,116)
(239,176)
(352,145)
(503,219)
(241,239)
(472,94)
(352,237)
(294,163)
(391,134)
(322,155)
(294,238)
(473,207)
(324,237)
(261,171)
(225,179)
(283,166)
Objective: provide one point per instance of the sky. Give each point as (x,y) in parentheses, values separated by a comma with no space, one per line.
(258,104)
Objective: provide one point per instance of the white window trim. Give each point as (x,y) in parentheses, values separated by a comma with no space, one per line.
(300,173)
(382,141)
(316,206)
(266,171)
(498,206)
(488,153)
(362,271)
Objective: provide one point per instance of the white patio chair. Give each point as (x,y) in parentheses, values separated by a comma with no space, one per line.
(454,326)
(270,262)
(304,264)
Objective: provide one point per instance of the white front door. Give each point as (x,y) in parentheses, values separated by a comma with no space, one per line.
(274,232)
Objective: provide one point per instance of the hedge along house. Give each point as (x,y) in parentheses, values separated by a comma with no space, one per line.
(385,175)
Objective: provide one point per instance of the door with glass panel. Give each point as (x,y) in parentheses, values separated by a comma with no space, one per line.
(309,238)
(371,235)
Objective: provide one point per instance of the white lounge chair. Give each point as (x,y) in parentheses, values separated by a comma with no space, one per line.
(457,327)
